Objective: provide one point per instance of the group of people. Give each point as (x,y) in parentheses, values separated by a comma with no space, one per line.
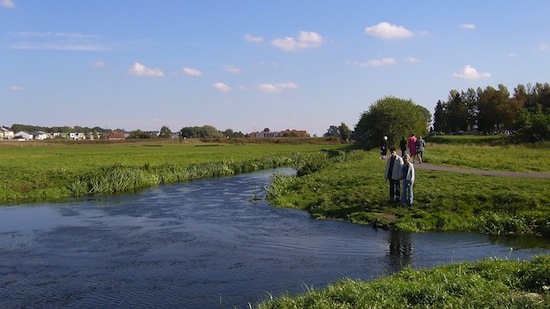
(401,168)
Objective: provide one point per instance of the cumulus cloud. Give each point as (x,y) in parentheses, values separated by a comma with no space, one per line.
(221,87)
(305,40)
(275,88)
(232,69)
(253,38)
(98,64)
(470,73)
(17,88)
(386,30)
(468,26)
(411,59)
(192,72)
(141,70)
(7,3)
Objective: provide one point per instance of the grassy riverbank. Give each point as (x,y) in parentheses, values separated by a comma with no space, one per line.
(355,191)
(34,171)
(484,284)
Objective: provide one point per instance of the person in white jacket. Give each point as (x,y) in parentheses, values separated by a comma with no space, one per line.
(408,181)
(394,166)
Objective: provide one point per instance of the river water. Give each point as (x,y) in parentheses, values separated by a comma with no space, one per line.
(204,244)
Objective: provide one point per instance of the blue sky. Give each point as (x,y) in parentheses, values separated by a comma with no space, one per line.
(248,65)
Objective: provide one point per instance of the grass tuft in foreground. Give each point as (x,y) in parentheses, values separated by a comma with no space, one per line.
(492,283)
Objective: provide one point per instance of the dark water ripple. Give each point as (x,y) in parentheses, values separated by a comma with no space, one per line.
(202,244)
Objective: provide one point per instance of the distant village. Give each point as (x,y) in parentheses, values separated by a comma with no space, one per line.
(7,133)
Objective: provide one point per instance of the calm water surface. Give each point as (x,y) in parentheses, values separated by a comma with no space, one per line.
(199,244)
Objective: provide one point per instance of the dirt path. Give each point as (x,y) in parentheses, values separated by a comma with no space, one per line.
(433,167)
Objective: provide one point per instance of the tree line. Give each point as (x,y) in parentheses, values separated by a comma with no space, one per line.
(525,113)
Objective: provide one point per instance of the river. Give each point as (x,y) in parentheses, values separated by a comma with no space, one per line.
(205,244)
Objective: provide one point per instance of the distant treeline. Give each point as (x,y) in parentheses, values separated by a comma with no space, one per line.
(525,113)
(63,129)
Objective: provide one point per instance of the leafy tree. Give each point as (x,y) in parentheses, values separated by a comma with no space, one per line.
(266,130)
(138,134)
(391,117)
(345,132)
(205,131)
(332,131)
(165,132)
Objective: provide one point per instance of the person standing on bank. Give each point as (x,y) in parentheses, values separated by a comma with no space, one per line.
(420,146)
(384,148)
(412,146)
(407,195)
(394,167)
(403,146)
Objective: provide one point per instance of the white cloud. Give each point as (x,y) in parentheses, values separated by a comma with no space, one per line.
(253,38)
(192,72)
(375,62)
(221,87)
(141,70)
(468,26)
(305,40)
(388,31)
(275,88)
(232,69)
(470,73)
(58,41)
(543,46)
(411,60)
(17,88)
(7,3)
(98,64)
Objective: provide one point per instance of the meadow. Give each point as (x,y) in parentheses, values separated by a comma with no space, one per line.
(34,171)
(354,190)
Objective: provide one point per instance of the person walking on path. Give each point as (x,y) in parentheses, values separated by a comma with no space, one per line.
(403,146)
(407,196)
(384,148)
(420,146)
(412,146)
(394,167)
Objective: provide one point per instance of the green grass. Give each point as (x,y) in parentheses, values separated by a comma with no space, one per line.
(354,190)
(485,284)
(32,171)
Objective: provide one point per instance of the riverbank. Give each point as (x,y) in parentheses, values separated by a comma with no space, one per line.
(53,170)
(490,283)
(445,200)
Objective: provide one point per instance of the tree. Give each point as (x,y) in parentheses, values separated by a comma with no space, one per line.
(165,132)
(138,134)
(345,132)
(266,130)
(332,131)
(391,117)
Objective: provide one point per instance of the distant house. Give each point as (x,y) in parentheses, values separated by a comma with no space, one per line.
(40,135)
(116,135)
(6,133)
(24,135)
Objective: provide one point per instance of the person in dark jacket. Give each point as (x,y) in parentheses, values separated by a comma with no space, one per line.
(403,146)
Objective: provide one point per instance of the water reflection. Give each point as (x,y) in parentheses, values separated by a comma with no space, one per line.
(401,250)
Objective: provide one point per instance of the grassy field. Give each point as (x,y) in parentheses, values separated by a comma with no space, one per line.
(484,284)
(31,171)
(487,153)
(354,190)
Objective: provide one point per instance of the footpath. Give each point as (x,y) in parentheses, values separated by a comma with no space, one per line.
(433,167)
